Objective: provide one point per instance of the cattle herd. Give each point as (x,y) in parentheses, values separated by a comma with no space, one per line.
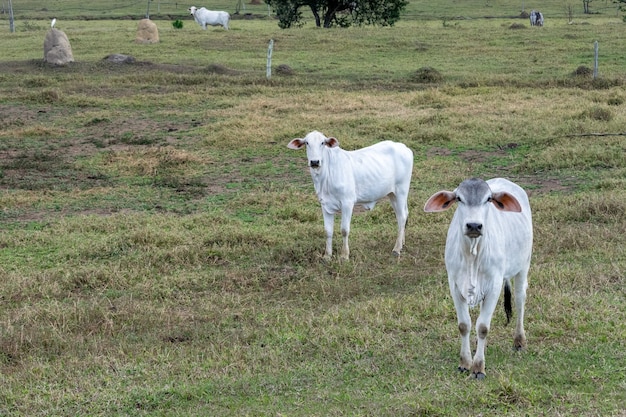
(490,237)
(489,240)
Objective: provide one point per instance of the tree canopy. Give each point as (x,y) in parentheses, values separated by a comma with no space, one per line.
(343,13)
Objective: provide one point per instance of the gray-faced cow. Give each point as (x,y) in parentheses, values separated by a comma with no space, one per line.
(489,243)
(343,179)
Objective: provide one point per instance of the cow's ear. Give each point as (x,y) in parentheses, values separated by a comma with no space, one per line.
(296,144)
(506,202)
(440,201)
(332,142)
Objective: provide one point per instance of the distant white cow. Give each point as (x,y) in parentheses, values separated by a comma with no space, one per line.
(343,179)
(536,18)
(489,242)
(209,17)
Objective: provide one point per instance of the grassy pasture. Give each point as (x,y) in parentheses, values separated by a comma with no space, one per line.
(160,247)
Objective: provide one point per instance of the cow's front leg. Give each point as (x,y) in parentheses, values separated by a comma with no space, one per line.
(483,323)
(346,216)
(465,327)
(329,223)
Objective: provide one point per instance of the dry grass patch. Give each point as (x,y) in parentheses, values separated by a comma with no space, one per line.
(579,153)
(597,113)
(33,132)
(434,98)
(151,161)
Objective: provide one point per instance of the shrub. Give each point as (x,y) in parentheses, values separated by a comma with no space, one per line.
(426,75)
(178,24)
(284,69)
(582,71)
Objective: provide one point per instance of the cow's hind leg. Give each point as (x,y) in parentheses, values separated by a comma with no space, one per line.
(401,208)
(521,284)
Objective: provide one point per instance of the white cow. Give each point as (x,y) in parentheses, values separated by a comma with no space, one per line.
(489,242)
(364,176)
(536,18)
(209,17)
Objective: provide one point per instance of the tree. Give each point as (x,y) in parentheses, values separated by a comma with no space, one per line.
(342,13)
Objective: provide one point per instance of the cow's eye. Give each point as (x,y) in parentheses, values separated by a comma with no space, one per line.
(459,199)
(489,199)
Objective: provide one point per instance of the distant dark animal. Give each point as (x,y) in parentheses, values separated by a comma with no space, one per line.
(536,18)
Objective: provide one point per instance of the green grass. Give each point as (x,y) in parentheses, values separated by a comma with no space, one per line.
(161,248)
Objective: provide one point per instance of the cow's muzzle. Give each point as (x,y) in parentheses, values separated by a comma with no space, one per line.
(473,230)
(314,164)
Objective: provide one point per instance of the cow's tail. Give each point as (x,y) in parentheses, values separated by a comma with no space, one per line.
(508,309)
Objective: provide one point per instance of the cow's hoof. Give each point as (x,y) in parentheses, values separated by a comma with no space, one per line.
(462,369)
(478,375)
(395,253)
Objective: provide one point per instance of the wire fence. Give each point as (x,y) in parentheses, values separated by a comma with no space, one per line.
(137,9)
(111,9)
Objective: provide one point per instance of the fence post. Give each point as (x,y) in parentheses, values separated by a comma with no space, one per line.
(270,48)
(595,62)
(11,20)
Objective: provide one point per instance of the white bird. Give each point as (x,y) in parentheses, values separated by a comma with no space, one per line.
(54,20)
